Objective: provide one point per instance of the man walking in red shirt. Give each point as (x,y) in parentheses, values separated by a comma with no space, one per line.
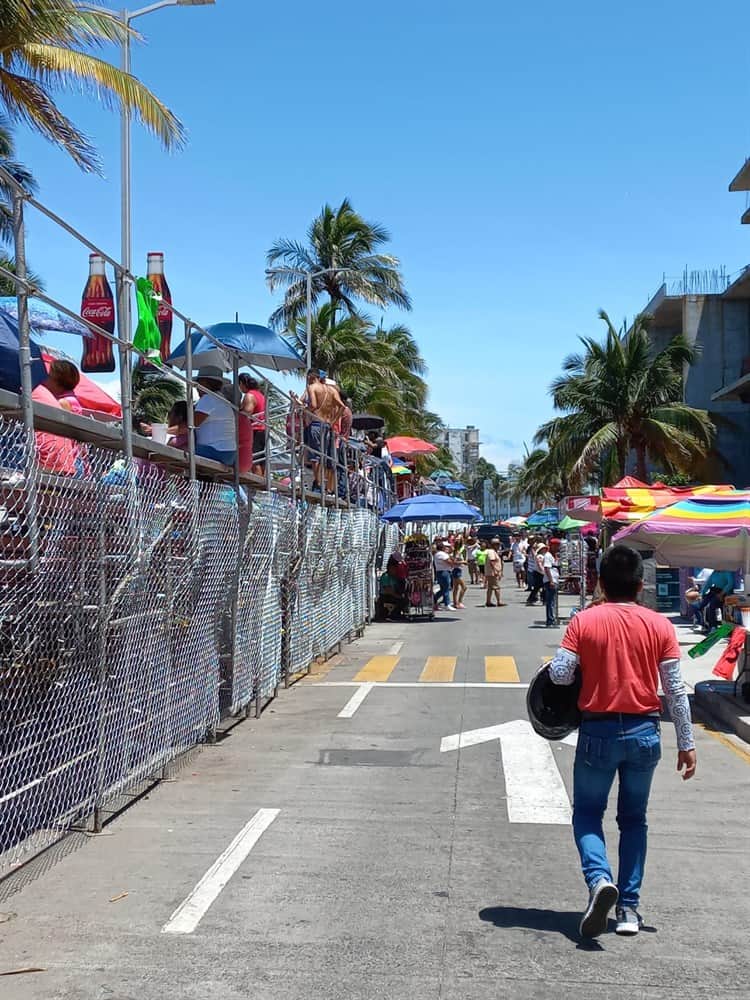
(622,650)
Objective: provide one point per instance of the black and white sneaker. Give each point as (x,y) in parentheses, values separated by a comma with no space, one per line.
(629,921)
(602,897)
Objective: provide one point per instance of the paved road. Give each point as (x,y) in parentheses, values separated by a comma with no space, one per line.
(391,869)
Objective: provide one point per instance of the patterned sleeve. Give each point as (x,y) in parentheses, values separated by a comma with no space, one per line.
(562,667)
(677,702)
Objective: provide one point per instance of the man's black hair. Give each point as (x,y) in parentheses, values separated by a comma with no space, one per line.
(249,381)
(621,573)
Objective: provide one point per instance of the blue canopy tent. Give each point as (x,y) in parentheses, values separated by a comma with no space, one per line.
(548,517)
(453,487)
(10,369)
(256,345)
(432,507)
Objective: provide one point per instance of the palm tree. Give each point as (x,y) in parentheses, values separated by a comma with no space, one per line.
(154,391)
(45,46)
(25,178)
(345,246)
(620,396)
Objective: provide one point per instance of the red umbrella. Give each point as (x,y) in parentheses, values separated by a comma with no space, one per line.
(89,394)
(405,446)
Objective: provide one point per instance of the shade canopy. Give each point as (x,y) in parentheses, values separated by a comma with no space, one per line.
(88,393)
(570,524)
(10,369)
(432,507)
(367,422)
(515,522)
(407,446)
(709,531)
(255,345)
(453,487)
(45,318)
(630,500)
(400,470)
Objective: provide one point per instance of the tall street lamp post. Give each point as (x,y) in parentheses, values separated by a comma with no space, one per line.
(272,272)
(126,234)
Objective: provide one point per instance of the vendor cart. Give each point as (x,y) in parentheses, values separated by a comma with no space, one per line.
(419,579)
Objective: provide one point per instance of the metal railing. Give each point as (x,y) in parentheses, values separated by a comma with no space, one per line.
(147,593)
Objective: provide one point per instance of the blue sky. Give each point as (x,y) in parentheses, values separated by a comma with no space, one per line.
(533,165)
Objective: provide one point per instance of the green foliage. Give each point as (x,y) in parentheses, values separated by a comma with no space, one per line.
(25,178)
(622,396)
(46,46)
(342,243)
(154,392)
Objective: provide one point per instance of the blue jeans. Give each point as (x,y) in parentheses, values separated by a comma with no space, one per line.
(444,579)
(550,592)
(207,451)
(629,746)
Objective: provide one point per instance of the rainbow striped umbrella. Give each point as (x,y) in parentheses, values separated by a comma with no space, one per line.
(707,531)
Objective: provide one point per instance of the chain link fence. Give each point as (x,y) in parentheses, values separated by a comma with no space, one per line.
(138,609)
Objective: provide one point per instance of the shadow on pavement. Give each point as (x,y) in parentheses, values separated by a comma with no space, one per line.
(563,922)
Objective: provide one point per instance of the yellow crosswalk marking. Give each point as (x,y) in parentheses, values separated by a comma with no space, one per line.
(378,668)
(439,668)
(501,670)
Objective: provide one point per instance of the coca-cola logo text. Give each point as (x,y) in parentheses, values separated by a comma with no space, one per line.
(103,309)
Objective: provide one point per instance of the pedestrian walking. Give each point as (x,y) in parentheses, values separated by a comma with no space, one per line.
(443,566)
(551,578)
(518,554)
(472,547)
(534,576)
(622,650)
(493,573)
(481,561)
(457,573)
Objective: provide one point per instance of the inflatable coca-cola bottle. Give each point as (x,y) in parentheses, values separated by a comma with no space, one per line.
(155,274)
(98,306)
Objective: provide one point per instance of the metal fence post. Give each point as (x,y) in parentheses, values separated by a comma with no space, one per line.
(24,361)
(189,398)
(124,349)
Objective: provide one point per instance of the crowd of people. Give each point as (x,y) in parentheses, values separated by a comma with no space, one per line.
(318,430)
(534,561)
(462,559)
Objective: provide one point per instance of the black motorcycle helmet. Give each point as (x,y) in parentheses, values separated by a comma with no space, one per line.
(553,708)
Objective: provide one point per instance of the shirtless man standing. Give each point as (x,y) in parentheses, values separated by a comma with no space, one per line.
(326,406)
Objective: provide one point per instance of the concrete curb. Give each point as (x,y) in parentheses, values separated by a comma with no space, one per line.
(717,699)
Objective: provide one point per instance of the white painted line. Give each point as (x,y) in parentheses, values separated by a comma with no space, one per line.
(471,738)
(395,648)
(571,740)
(535,790)
(423,684)
(356,700)
(191,911)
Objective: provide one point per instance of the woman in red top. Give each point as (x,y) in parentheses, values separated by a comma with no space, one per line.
(254,404)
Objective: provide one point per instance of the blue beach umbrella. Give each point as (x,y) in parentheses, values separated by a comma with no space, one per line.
(256,345)
(10,369)
(432,507)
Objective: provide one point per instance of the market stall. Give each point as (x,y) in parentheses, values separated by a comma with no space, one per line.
(430,508)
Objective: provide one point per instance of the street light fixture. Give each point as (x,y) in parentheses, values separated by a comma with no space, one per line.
(126,234)
(271,272)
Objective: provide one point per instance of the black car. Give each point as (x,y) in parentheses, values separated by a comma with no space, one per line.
(486,532)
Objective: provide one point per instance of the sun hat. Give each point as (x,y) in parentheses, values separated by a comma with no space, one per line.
(210,371)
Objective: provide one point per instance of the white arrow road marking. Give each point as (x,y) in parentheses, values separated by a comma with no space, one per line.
(534,789)
(191,911)
(356,700)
